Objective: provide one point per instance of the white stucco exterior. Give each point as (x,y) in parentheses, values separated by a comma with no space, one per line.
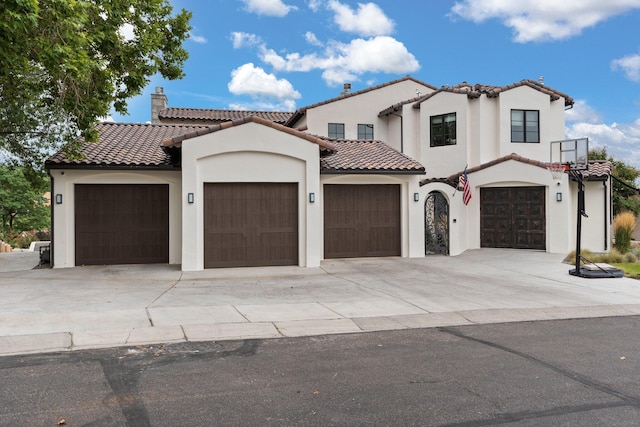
(254,152)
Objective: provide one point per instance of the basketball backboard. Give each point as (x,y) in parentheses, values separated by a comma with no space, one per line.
(570,152)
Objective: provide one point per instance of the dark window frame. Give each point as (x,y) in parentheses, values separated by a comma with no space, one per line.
(363,131)
(334,129)
(523,131)
(443,132)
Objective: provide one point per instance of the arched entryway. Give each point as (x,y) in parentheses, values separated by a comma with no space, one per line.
(436,224)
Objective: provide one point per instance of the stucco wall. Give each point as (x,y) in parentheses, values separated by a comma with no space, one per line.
(465,230)
(250,153)
(64,215)
(363,109)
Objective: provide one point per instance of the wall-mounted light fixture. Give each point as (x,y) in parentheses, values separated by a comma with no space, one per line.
(416,197)
(558,197)
(312,197)
(190,198)
(58,199)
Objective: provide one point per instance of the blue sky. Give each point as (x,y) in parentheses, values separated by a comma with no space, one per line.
(285,54)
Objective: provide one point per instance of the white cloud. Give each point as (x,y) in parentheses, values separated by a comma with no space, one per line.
(541,20)
(622,141)
(581,112)
(240,39)
(345,61)
(268,7)
(197,39)
(314,5)
(127,31)
(255,82)
(368,20)
(312,39)
(284,105)
(630,64)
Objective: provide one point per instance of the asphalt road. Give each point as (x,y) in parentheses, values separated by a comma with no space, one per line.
(571,372)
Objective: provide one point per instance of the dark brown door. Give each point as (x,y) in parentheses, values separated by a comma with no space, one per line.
(513,217)
(361,220)
(250,224)
(121,224)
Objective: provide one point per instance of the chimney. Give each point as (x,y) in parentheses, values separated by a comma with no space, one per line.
(347,89)
(541,80)
(158,103)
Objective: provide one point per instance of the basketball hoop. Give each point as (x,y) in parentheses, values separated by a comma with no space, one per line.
(557,170)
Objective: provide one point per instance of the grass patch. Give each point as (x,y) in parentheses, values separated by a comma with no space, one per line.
(631,269)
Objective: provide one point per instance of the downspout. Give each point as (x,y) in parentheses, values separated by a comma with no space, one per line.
(606,239)
(51,206)
(401,131)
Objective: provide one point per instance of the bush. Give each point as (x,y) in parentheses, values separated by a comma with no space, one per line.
(613,257)
(623,226)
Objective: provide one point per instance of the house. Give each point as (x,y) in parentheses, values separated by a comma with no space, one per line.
(367,173)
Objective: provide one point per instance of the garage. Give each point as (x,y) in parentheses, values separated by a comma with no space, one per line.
(513,217)
(361,220)
(250,224)
(121,224)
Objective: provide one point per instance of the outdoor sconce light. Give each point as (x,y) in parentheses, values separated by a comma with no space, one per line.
(558,197)
(190,198)
(312,197)
(58,199)
(416,197)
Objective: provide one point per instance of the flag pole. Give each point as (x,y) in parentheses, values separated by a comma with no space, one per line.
(458,184)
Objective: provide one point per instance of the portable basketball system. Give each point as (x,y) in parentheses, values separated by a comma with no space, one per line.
(572,157)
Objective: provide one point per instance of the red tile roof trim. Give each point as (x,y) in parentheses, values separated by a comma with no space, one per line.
(598,170)
(367,157)
(300,112)
(212,115)
(478,90)
(176,141)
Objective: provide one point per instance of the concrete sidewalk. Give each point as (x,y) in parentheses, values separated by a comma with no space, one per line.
(44,310)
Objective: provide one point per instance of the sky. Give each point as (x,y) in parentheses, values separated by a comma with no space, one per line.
(285,54)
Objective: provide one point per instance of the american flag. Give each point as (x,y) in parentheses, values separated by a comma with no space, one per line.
(466,188)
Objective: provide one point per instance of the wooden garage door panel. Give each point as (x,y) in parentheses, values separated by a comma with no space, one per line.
(121,224)
(361,220)
(250,224)
(513,217)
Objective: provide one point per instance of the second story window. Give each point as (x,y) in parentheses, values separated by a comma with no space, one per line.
(336,130)
(365,131)
(525,126)
(443,130)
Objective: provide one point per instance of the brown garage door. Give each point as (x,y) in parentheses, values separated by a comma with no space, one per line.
(361,220)
(121,224)
(512,217)
(250,224)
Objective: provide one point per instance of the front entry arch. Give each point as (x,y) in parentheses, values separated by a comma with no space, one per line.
(436,224)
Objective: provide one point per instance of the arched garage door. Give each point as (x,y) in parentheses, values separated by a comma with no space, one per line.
(513,217)
(361,220)
(121,224)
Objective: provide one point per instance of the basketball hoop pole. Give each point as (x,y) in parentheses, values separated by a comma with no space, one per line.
(577,176)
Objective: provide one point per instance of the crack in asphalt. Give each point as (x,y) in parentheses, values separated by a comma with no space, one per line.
(624,399)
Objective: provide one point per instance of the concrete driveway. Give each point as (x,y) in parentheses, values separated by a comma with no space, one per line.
(92,307)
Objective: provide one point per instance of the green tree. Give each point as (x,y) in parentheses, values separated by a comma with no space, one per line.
(66,63)
(625,194)
(22,202)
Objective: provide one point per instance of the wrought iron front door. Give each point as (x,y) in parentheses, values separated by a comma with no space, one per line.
(436,224)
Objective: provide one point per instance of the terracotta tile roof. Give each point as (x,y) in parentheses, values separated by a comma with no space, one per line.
(598,169)
(299,113)
(125,145)
(357,156)
(478,90)
(217,116)
(176,141)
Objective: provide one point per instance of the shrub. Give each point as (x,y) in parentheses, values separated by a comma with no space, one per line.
(623,226)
